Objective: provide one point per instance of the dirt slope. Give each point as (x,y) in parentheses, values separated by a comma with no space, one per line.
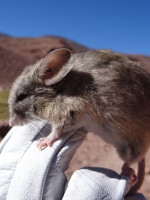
(16,53)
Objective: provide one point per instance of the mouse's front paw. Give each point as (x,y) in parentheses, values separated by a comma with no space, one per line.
(46,141)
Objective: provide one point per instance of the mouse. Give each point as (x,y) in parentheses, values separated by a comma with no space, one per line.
(100,90)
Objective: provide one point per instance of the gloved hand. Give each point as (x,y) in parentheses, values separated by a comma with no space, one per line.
(31,174)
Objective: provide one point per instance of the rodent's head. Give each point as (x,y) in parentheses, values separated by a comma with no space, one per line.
(34,88)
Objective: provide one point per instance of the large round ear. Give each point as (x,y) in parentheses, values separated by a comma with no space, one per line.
(55,66)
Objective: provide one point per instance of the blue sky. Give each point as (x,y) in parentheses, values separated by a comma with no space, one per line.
(120,25)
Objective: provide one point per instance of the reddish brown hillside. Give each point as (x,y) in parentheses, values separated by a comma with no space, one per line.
(16,53)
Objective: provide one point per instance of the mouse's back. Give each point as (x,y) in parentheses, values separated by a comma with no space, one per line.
(111,89)
(119,98)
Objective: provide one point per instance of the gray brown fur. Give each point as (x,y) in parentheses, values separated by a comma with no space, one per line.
(113,90)
(106,86)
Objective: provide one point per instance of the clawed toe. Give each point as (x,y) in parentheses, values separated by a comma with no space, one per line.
(44,142)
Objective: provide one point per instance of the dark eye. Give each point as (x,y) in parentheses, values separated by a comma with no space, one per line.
(21,97)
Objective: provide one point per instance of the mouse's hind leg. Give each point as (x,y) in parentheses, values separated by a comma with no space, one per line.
(128,171)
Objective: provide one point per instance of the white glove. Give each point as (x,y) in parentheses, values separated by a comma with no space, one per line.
(26,173)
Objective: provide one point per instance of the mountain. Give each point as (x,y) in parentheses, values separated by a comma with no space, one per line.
(16,53)
(4,35)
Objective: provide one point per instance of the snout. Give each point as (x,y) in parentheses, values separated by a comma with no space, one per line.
(11,122)
(14,120)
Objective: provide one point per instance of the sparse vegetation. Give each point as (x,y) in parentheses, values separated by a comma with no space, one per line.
(4,114)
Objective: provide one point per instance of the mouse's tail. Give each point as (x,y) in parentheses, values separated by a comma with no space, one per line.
(140,176)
